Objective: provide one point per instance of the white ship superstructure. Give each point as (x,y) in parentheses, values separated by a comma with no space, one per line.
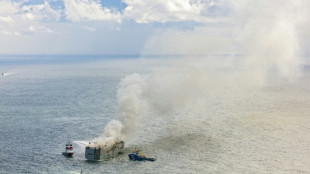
(69,150)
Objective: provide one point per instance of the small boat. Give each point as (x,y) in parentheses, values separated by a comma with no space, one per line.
(137,156)
(69,150)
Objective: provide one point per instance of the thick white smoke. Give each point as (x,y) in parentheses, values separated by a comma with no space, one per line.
(268,34)
(130,100)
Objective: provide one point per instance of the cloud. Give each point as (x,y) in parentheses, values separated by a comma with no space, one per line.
(7,10)
(18,19)
(41,12)
(147,11)
(89,10)
(8,7)
(7,19)
(39,28)
(88,28)
(11,33)
(193,26)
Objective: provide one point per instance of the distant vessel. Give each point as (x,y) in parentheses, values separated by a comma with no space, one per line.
(137,156)
(69,150)
(100,153)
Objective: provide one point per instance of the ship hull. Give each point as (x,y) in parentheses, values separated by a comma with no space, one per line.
(103,153)
(69,155)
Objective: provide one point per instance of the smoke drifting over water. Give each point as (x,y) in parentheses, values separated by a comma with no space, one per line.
(270,36)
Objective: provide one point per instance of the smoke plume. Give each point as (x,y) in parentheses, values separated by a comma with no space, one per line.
(264,39)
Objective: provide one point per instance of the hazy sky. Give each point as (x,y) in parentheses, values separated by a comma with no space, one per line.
(137,26)
(97,27)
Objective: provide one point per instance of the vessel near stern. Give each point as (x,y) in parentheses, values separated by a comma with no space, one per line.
(69,150)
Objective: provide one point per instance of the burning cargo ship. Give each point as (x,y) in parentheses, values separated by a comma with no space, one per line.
(95,152)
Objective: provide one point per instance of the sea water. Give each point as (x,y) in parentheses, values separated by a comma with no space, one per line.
(46,101)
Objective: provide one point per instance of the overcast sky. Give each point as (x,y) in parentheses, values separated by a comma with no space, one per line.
(138,26)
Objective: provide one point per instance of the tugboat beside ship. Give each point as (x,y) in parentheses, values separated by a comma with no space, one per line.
(69,150)
(137,156)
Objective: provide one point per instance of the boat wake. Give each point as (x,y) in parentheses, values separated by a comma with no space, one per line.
(6,74)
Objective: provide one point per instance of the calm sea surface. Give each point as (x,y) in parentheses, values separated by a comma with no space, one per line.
(44,104)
